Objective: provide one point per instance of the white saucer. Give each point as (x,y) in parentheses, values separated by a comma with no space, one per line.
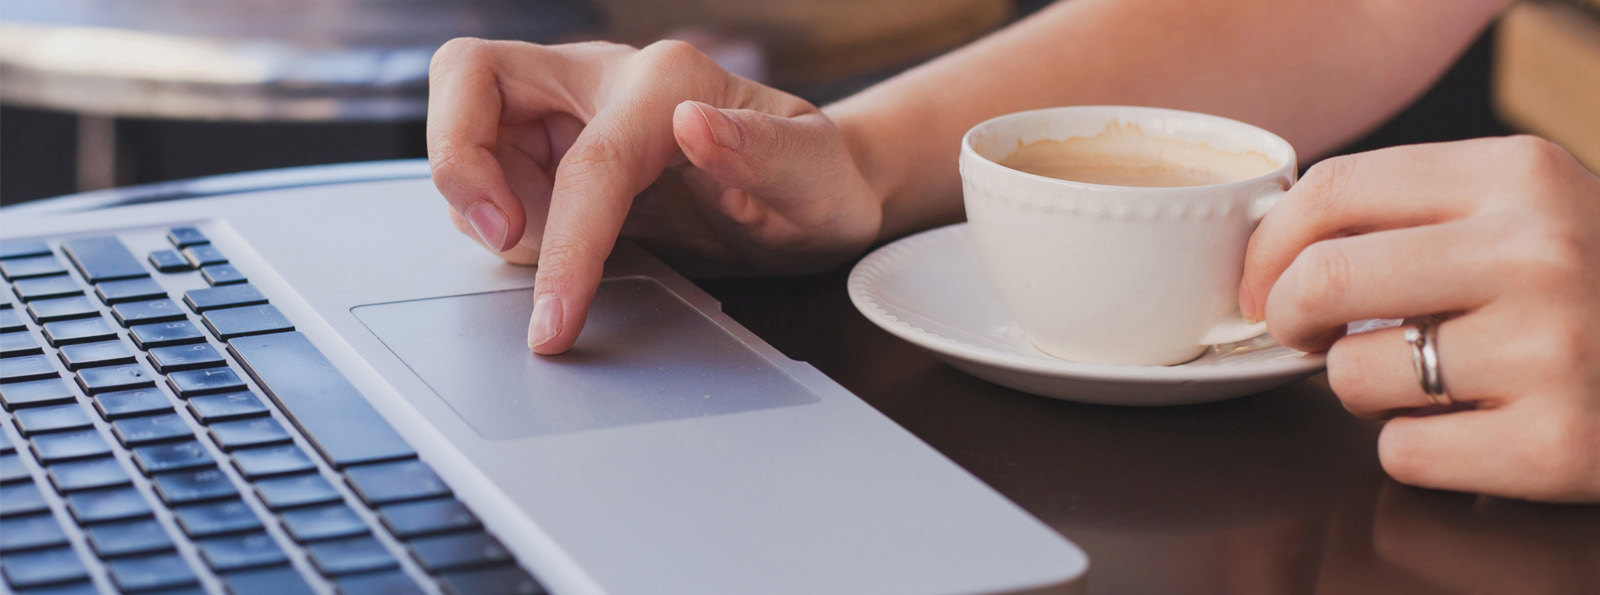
(928,289)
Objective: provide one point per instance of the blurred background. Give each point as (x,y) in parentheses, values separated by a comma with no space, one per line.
(103,93)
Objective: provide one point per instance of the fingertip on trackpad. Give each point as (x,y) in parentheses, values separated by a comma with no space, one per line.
(645,356)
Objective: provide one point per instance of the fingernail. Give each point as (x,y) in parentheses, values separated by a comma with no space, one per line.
(546,321)
(489,223)
(724,131)
(1247,304)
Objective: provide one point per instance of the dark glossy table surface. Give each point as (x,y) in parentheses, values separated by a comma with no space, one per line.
(1279,492)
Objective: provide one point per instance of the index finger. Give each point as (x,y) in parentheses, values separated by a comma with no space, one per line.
(464,105)
(615,158)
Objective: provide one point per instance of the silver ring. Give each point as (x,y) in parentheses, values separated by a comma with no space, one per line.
(1423,338)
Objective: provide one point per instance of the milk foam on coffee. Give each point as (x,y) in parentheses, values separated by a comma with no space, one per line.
(1123,155)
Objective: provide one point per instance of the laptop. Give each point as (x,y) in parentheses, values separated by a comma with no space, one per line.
(328,390)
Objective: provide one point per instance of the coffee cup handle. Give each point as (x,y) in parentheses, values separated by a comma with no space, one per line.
(1234,328)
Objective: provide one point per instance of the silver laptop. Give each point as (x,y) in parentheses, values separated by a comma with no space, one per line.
(328,389)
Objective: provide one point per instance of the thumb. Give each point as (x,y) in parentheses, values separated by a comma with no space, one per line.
(773,157)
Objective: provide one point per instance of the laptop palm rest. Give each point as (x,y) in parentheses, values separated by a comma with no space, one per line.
(645,356)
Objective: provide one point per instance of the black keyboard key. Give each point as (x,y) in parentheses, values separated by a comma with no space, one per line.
(65,308)
(54,418)
(68,332)
(323,522)
(10,321)
(296,491)
(36,393)
(25,368)
(31,266)
(464,550)
(172,457)
(379,583)
(103,259)
(23,248)
(388,483)
(100,506)
(43,568)
(231,323)
(30,533)
(18,343)
(428,517)
(98,380)
(39,288)
(204,382)
(227,296)
(151,336)
(66,446)
(226,406)
(204,255)
(241,552)
(508,580)
(287,459)
(318,399)
(131,403)
(92,474)
(99,353)
(185,357)
(169,261)
(350,556)
(12,469)
(150,429)
(222,274)
(21,498)
(196,485)
(147,312)
(217,518)
(115,540)
(129,290)
(183,237)
(162,571)
(246,433)
(270,581)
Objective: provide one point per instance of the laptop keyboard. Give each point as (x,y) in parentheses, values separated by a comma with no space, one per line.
(193,440)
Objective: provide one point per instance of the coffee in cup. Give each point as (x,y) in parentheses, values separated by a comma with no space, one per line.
(1116,235)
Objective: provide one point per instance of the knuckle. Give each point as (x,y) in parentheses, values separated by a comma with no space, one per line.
(1323,184)
(444,157)
(1535,153)
(559,248)
(1348,372)
(674,53)
(459,51)
(599,151)
(1323,277)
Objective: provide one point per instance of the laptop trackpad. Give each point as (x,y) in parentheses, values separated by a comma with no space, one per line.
(645,355)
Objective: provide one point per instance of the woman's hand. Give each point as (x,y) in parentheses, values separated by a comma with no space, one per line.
(1501,238)
(548,153)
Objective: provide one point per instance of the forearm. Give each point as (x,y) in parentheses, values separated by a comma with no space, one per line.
(1318,73)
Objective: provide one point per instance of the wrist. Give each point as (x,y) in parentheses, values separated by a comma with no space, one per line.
(869,136)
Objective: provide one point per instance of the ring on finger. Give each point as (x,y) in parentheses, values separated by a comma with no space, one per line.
(1423,337)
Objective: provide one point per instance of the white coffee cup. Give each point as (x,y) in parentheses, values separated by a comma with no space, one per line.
(1118,274)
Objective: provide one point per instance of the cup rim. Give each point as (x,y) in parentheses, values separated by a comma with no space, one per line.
(968,151)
